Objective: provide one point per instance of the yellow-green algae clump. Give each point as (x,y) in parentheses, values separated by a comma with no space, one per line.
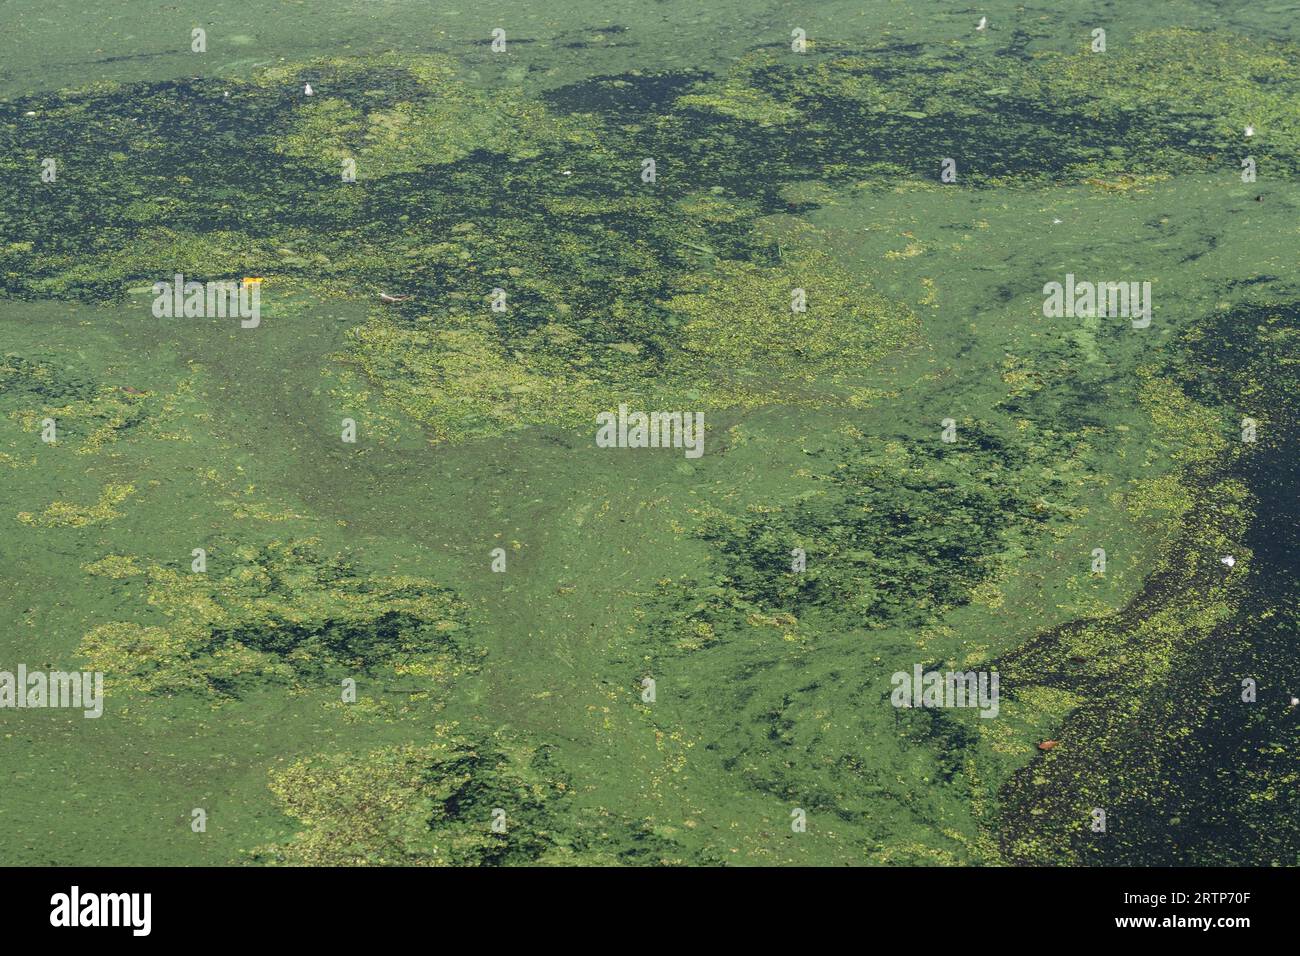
(284,614)
(455,801)
(462,798)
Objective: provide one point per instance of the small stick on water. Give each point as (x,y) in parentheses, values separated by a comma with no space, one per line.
(393,298)
(697,247)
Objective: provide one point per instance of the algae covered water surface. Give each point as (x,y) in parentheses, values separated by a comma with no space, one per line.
(643,434)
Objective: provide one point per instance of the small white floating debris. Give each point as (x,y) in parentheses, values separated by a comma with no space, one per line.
(984,22)
(308,91)
(1056,222)
(1250,131)
(1229,560)
(567,172)
(1295,702)
(30,113)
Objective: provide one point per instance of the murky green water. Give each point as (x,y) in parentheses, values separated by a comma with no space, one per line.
(524,691)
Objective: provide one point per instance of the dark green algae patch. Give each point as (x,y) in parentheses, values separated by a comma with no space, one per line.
(671,290)
(613,286)
(1187,770)
(894,531)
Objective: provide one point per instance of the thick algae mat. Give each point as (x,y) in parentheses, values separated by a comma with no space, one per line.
(523,691)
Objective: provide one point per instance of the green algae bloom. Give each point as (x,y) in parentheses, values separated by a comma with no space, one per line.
(797,270)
